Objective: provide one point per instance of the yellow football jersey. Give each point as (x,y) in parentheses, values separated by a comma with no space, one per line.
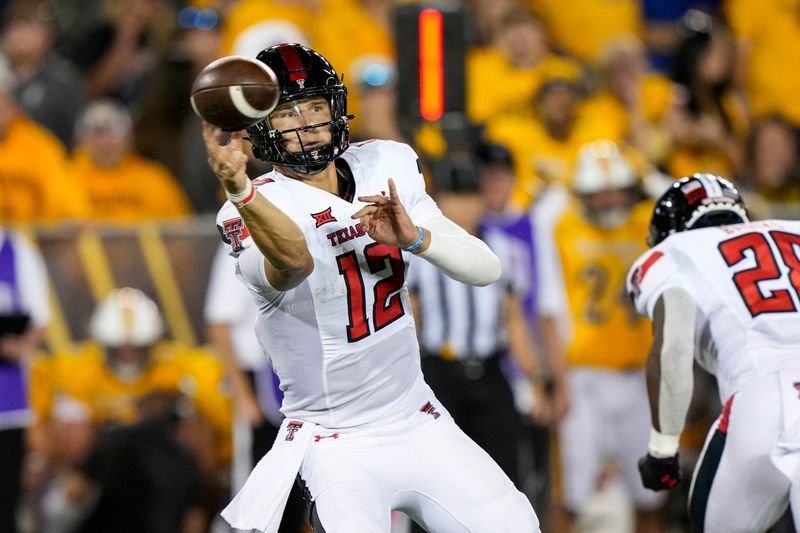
(136,190)
(85,377)
(34,183)
(607,330)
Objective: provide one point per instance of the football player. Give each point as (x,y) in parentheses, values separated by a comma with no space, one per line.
(322,242)
(726,294)
(582,286)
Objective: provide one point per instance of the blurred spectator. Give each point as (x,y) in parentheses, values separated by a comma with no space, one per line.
(345,31)
(661,19)
(486,19)
(583,27)
(506,75)
(122,186)
(630,99)
(771,180)
(142,477)
(24,312)
(34,183)
(584,305)
(376,87)
(249,26)
(710,128)
(545,142)
(125,360)
(465,332)
(118,53)
(768,36)
(166,128)
(51,89)
(230,313)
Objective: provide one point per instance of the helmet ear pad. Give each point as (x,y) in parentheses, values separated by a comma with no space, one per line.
(697,201)
(302,74)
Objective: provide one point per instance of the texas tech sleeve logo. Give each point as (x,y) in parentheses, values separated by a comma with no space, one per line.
(233,232)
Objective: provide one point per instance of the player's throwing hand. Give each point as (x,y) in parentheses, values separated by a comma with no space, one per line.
(386,220)
(228,161)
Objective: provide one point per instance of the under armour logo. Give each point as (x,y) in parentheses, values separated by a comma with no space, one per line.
(669,480)
(318,438)
(292,428)
(323,217)
(429,409)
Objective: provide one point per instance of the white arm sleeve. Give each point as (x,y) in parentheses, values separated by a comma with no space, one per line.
(458,254)
(676,359)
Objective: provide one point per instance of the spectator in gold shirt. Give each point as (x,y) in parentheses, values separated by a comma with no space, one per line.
(122,185)
(34,184)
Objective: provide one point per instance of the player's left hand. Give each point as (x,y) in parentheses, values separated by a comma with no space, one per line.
(386,220)
(660,473)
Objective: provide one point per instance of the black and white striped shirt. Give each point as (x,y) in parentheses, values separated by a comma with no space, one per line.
(462,320)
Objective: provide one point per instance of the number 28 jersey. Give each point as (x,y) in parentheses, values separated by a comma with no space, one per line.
(343,342)
(745,281)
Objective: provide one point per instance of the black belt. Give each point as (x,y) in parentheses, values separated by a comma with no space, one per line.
(474,367)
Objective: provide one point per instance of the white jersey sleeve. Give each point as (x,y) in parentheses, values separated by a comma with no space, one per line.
(652,274)
(239,243)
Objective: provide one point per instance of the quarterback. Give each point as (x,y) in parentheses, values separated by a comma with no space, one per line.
(322,242)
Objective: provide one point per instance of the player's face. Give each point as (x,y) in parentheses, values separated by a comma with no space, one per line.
(608,209)
(299,117)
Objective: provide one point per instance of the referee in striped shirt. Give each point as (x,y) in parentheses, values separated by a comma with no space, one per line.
(465,332)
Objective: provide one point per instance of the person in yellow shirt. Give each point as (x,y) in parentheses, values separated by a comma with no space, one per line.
(123,361)
(507,74)
(768,38)
(348,32)
(249,26)
(710,127)
(588,318)
(546,139)
(34,183)
(631,100)
(582,27)
(122,185)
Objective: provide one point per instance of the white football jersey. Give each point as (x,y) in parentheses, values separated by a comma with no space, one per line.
(343,342)
(745,281)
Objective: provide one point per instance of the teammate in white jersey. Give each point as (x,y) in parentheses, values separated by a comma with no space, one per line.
(726,293)
(322,243)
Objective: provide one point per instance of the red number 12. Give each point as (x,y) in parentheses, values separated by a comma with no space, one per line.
(387,307)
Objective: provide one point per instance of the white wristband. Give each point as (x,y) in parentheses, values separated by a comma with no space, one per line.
(243,198)
(662,446)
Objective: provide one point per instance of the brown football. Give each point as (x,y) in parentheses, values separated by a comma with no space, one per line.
(235,92)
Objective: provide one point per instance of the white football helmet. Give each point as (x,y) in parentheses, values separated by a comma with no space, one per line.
(126,317)
(602,167)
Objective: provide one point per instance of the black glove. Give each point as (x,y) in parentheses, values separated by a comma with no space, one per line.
(660,474)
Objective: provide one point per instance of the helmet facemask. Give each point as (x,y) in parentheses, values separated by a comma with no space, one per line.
(273,137)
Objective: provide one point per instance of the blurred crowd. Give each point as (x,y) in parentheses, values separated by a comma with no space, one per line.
(579,113)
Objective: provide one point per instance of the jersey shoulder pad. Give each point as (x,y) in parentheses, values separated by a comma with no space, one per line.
(650,275)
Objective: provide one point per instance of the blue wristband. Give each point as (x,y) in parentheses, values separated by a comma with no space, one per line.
(418,243)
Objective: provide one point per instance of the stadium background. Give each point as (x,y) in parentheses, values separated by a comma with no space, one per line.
(143,54)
